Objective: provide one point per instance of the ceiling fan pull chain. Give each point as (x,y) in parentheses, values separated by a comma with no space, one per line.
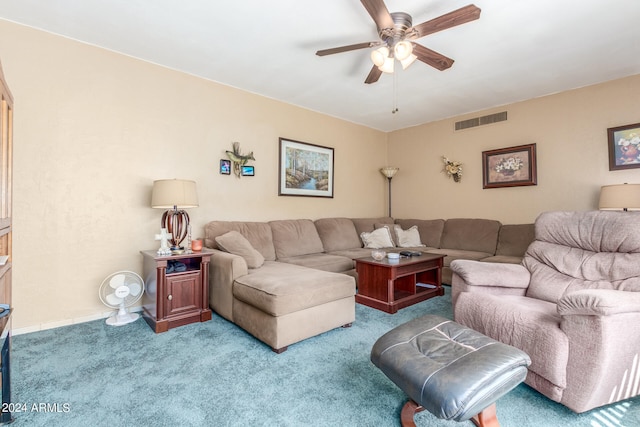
(394,108)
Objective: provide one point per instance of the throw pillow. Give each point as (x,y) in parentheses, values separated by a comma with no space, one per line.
(408,238)
(377,239)
(235,243)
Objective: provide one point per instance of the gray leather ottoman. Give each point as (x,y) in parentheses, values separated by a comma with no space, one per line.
(450,370)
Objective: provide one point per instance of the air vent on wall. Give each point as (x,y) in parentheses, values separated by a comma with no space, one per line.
(480,121)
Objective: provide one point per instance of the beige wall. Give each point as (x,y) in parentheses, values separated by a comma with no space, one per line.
(93,129)
(570,133)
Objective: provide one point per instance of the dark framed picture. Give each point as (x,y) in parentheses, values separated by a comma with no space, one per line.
(509,167)
(624,147)
(248,171)
(305,169)
(225,167)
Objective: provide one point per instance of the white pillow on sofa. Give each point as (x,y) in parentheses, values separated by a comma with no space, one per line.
(378,238)
(408,238)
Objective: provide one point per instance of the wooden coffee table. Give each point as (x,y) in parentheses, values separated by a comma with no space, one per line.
(390,285)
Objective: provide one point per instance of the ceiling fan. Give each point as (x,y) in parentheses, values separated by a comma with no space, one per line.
(396,32)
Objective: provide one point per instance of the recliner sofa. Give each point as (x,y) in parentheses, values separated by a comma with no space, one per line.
(573,305)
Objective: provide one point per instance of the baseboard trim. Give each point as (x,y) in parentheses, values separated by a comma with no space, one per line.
(68,322)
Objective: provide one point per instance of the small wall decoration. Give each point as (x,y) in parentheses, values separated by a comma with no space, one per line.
(248,171)
(509,167)
(238,159)
(305,169)
(225,167)
(624,147)
(452,168)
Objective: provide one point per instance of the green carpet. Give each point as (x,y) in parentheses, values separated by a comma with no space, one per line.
(215,374)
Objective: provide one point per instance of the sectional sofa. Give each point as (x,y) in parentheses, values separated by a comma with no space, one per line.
(287,280)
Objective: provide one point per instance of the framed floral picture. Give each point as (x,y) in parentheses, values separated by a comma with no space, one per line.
(509,167)
(624,147)
(305,169)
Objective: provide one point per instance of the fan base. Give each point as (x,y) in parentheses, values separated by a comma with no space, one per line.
(122,319)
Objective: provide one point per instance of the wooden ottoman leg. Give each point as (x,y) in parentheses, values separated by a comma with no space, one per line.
(487,418)
(409,410)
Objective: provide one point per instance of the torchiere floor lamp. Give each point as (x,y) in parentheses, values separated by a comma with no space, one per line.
(389,172)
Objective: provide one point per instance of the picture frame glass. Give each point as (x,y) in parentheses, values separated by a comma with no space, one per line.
(624,147)
(509,167)
(305,169)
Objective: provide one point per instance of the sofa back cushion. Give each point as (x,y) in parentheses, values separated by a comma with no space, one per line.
(294,237)
(337,234)
(367,225)
(583,250)
(257,233)
(479,235)
(514,239)
(430,229)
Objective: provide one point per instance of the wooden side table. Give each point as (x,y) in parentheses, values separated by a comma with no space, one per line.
(391,285)
(176,296)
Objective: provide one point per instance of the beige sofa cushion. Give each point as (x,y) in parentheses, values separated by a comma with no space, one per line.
(235,243)
(257,233)
(367,225)
(325,262)
(478,235)
(430,229)
(279,288)
(514,239)
(337,234)
(294,237)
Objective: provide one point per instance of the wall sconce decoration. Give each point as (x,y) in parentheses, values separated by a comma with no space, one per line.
(452,168)
(238,159)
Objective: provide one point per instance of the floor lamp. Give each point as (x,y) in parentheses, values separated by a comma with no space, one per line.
(621,197)
(175,195)
(389,172)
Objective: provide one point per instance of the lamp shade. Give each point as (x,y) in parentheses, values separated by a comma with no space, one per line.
(170,193)
(620,197)
(389,171)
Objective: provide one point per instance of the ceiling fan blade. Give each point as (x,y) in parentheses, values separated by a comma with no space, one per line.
(379,13)
(357,46)
(451,19)
(431,57)
(374,75)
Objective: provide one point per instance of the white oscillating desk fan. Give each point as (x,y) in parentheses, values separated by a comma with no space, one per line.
(121,290)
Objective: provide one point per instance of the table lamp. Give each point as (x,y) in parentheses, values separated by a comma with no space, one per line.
(175,195)
(620,197)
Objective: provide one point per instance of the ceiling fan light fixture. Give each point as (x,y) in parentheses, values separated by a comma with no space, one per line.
(379,56)
(408,61)
(387,67)
(402,50)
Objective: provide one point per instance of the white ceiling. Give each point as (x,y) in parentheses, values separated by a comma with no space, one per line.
(517,50)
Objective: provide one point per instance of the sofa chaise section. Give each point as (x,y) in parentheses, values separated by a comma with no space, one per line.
(280,303)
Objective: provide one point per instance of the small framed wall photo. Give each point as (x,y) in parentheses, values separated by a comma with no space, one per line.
(248,171)
(509,167)
(225,167)
(624,147)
